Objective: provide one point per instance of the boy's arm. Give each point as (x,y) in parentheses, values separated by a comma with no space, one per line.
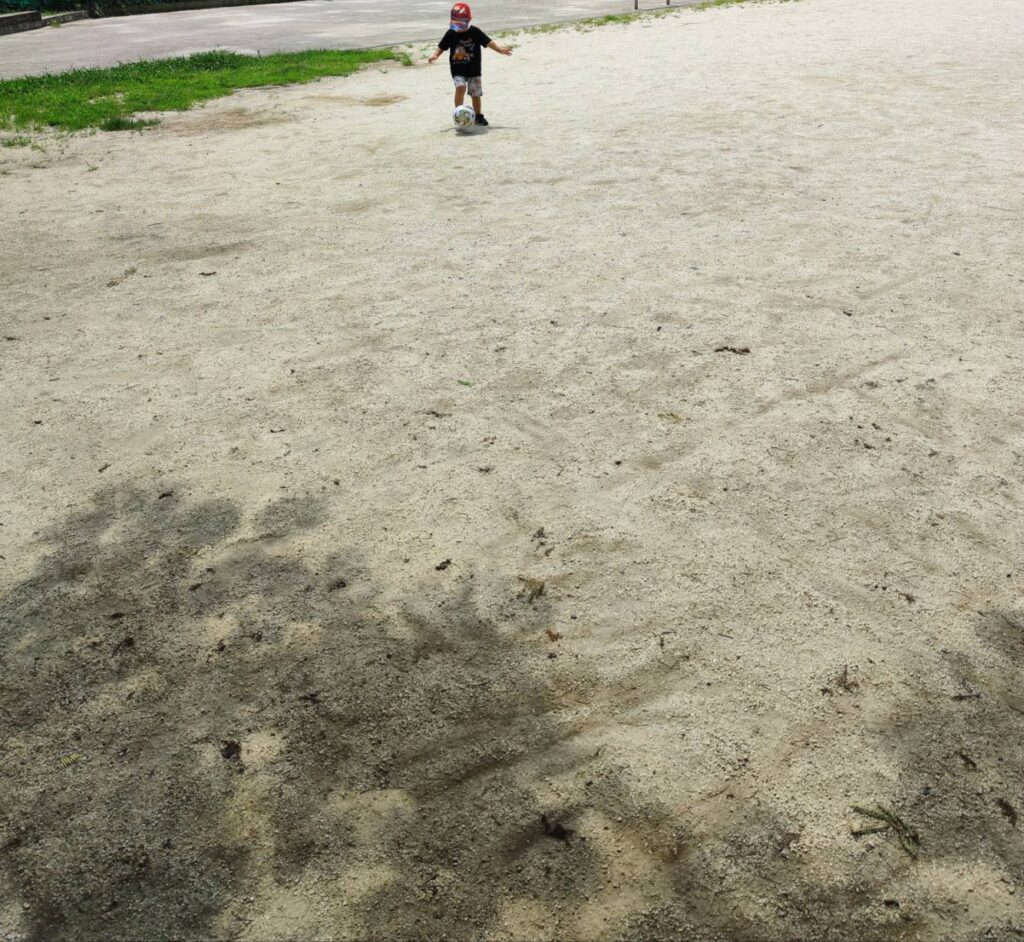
(445,43)
(498,47)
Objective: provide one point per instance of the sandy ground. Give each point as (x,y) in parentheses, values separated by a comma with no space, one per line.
(388,552)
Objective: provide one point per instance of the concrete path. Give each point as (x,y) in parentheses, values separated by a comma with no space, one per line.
(308,24)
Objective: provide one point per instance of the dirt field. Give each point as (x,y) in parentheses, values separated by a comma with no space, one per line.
(548,533)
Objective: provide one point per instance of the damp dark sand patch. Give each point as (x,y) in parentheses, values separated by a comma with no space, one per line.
(228,119)
(364,101)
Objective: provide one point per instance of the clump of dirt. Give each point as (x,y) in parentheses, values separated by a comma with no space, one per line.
(205,120)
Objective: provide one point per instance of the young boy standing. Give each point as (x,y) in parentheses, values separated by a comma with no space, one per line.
(465,45)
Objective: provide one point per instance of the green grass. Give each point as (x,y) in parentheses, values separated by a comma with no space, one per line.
(18,141)
(107,98)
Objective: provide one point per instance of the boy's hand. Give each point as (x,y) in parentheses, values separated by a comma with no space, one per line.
(498,47)
(434,57)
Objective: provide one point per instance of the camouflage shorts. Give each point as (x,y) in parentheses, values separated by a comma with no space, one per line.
(474,85)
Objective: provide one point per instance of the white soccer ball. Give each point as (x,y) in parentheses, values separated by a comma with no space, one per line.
(464,117)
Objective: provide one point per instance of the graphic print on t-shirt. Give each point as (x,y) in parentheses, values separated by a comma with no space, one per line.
(466,51)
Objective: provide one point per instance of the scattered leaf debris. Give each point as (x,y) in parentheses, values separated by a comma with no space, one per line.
(127,273)
(533,589)
(443,565)
(230,748)
(555,829)
(1009,812)
(890,822)
(725,348)
(969,695)
(845,681)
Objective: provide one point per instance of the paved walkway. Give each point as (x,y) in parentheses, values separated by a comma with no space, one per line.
(308,24)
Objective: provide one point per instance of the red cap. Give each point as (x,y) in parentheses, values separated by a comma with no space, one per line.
(461,11)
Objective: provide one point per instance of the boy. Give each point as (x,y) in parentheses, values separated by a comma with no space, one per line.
(466,45)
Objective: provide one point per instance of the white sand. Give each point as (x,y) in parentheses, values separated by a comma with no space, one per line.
(837,186)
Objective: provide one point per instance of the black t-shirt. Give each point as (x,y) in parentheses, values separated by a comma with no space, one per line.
(466,51)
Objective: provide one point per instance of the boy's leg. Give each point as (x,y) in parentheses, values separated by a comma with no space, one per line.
(476,92)
(460,89)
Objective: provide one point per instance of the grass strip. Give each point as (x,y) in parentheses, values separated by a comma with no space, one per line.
(107,98)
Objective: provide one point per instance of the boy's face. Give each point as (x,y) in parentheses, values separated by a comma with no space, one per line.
(460,26)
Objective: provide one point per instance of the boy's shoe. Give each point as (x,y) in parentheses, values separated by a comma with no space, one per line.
(482,121)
